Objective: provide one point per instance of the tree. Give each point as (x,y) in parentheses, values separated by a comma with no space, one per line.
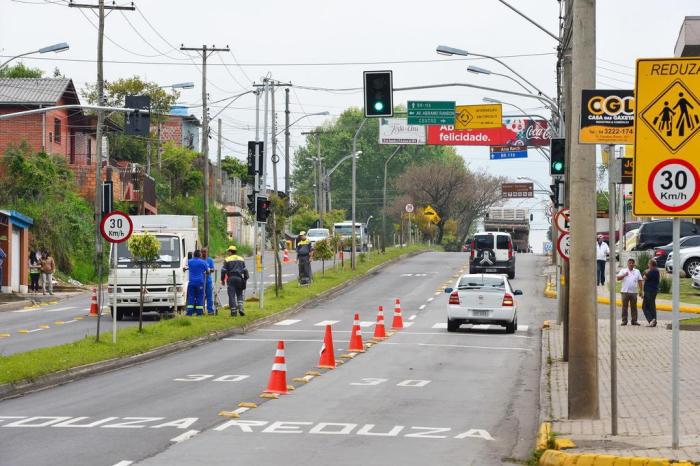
(20,70)
(474,203)
(236,168)
(144,247)
(178,172)
(323,251)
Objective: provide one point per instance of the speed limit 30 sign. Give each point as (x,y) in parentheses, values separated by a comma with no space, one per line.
(673,185)
(116,227)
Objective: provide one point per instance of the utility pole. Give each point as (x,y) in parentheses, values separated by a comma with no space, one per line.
(273,135)
(205,52)
(100,7)
(569,130)
(321,194)
(219,181)
(583,324)
(286,142)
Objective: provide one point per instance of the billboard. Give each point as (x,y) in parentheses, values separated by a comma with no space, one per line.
(513,132)
(607,117)
(398,131)
(517,190)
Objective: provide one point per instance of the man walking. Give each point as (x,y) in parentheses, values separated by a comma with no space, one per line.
(651,287)
(601,255)
(48,267)
(234,274)
(209,287)
(195,288)
(631,280)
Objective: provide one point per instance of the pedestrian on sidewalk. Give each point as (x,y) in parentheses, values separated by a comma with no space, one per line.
(631,280)
(601,255)
(195,288)
(34,271)
(2,264)
(48,268)
(304,258)
(209,287)
(651,287)
(235,275)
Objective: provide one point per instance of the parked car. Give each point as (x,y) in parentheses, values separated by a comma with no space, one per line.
(695,282)
(317,234)
(492,252)
(467,247)
(661,253)
(690,261)
(482,299)
(659,232)
(628,227)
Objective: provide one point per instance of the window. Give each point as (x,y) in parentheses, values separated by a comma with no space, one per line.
(691,242)
(57,130)
(482,281)
(88,155)
(501,242)
(688,229)
(71,152)
(483,241)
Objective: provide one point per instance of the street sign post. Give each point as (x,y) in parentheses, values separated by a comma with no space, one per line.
(478,116)
(562,220)
(431,112)
(409,208)
(116,227)
(666,182)
(564,246)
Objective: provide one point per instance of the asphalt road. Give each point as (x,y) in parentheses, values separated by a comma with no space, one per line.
(68,320)
(421,396)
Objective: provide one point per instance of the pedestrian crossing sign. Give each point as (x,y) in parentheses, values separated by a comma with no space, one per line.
(667,141)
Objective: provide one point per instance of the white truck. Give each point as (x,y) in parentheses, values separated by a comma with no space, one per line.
(165,285)
(344,229)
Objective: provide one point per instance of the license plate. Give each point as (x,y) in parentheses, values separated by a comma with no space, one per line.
(480,312)
(148,299)
(491,270)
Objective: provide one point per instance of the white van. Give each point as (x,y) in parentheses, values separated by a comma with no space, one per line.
(317,234)
(492,252)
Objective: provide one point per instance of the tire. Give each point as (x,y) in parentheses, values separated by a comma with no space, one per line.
(511,327)
(120,314)
(511,274)
(692,266)
(452,325)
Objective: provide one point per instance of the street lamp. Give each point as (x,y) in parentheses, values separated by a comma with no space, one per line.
(186,85)
(327,177)
(60,47)
(386,165)
(326,113)
(479,70)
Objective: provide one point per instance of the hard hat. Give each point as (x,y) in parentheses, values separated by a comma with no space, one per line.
(232,248)
(302,233)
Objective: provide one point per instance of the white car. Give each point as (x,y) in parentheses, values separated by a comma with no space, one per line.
(695,283)
(317,234)
(482,299)
(690,261)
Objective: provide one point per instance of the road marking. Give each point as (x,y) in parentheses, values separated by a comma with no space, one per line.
(26,309)
(490,335)
(184,436)
(440,325)
(24,330)
(437,293)
(64,322)
(505,348)
(123,463)
(4,335)
(421,307)
(44,326)
(288,322)
(408,324)
(298,330)
(430,299)
(366,323)
(412,317)
(323,323)
(58,309)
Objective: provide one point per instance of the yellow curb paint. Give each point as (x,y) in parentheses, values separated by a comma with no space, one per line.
(271,396)
(43,304)
(346,356)
(59,322)
(564,444)
(24,330)
(44,326)
(556,458)
(4,335)
(659,307)
(314,373)
(78,318)
(290,388)
(52,302)
(542,440)
(247,404)
(339,362)
(232,414)
(305,379)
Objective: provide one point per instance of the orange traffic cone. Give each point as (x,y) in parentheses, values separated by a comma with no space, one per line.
(285,257)
(356,336)
(379,330)
(398,320)
(278,376)
(327,359)
(93,304)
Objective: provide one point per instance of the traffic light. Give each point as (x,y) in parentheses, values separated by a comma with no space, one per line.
(379,88)
(255,166)
(557,157)
(251,202)
(555,194)
(262,209)
(137,123)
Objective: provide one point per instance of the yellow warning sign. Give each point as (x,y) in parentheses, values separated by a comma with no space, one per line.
(667,145)
(478,116)
(431,215)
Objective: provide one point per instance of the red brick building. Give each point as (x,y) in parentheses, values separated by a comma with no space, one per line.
(179,127)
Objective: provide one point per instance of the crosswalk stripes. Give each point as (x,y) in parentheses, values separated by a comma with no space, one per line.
(323,323)
(288,322)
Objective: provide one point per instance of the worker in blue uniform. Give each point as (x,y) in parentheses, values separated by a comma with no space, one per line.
(209,284)
(195,288)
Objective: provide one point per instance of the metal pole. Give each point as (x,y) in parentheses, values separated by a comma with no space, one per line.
(676,342)
(319,188)
(219,182)
(286,142)
(567,130)
(354,192)
(611,284)
(263,189)
(205,145)
(583,399)
(98,159)
(386,167)
(273,135)
(256,188)
(114,293)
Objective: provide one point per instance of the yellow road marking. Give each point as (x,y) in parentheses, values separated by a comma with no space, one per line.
(44,326)
(4,335)
(24,330)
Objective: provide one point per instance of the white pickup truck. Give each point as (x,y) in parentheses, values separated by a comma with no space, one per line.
(165,285)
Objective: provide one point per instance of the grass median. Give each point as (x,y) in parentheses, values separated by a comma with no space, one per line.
(36,363)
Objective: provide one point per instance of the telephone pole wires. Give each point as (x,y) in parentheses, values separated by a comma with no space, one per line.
(205,52)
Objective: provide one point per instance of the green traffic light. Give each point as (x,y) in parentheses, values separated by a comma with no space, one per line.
(558,166)
(379,106)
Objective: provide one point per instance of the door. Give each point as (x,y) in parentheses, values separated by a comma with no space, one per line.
(16,261)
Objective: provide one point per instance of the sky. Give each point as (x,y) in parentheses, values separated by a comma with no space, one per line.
(328,43)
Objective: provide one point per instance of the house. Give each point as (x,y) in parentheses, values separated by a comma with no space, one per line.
(179,127)
(14,241)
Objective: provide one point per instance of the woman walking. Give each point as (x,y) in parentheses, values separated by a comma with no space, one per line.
(34,271)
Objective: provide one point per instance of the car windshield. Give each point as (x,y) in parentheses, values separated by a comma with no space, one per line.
(168,254)
(484,242)
(484,281)
(346,230)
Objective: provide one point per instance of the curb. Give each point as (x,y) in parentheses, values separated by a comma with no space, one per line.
(556,458)
(21,304)
(659,307)
(76,373)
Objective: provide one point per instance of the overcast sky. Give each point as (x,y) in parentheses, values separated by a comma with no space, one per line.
(329,43)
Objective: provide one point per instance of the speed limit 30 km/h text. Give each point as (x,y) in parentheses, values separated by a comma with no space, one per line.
(673,185)
(116,227)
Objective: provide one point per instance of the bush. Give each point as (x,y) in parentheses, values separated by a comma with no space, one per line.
(665,284)
(452,246)
(643,262)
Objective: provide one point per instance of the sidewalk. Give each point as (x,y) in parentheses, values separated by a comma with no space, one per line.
(644,394)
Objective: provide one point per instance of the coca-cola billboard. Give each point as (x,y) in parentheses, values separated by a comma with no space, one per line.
(514,132)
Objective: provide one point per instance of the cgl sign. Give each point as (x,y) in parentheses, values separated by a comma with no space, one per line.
(607,117)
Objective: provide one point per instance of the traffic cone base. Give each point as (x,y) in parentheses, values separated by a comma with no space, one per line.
(285,257)
(327,358)
(356,337)
(278,374)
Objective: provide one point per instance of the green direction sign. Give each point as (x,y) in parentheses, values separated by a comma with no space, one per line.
(431,113)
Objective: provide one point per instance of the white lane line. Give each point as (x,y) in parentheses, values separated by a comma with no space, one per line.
(123,463)
(505,348)
(241,410)
(323,323)
(408,324)
(437,293)
(288,322)
(184,436)
(366,323)
(523,328)
(440,325)
(412,317)
(421,307)
(21,311)
(298,330)
(430,299)
(58,309)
